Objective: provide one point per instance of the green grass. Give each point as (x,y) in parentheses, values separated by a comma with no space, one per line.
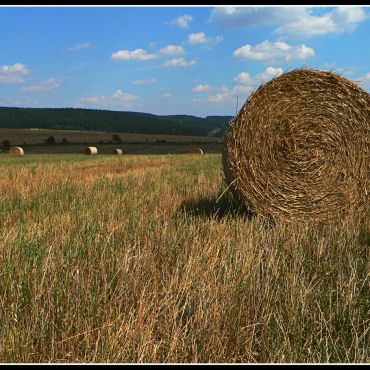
(131,259)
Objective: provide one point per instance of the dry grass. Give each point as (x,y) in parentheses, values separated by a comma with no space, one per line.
(131,259)
(299,148)
(36,136)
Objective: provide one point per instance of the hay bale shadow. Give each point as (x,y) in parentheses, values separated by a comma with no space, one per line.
(215,207)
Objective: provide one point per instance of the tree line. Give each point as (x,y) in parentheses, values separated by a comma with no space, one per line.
(111,121)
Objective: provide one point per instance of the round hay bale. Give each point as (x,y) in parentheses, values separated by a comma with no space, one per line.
(117,151)
(91,150)
(196,151)
(299,148)
(16,151)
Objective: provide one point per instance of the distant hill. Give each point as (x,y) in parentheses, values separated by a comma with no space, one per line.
(112,121)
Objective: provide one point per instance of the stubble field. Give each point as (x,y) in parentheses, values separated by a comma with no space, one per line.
(144,259)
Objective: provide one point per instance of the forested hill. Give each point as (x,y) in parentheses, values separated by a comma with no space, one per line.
(112,121)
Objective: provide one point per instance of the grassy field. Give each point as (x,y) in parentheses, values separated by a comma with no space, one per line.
(142,259)
(32,141)
(37,136)
(128,148)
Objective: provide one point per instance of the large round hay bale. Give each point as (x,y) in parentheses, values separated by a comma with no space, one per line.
(118,151)
(196,151)
(91,150)
(16,151)
(299,147)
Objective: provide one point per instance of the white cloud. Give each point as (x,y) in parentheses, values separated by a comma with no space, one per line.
(341,70)
(49,84)
(270,51)
(171,50)
(267,75)
(242,90)
(201,88)
(118,99)
(16,68)
(94,99)
(140,54)
(348,17)
(179,62)
(13,73)
(244,84)
(118,94)
(137,54)
(197,38)
(218,97)
(243,78)
(145,82)
(84,45)
(222,95)
(201,38)
(167,95)
(364,81)
(296,22)
(182,21)
(152,44)
(18,102)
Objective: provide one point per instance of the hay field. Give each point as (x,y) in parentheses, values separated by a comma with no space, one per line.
(130,259)
(37,136)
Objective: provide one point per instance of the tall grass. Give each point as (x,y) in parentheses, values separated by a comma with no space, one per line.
(131,259)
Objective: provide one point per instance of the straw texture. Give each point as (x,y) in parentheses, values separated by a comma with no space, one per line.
(16,151)
(91,150)
(299,148)
(196,151)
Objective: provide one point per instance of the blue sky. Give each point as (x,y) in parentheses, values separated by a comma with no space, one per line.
(170,60)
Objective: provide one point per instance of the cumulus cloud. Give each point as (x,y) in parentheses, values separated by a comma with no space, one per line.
(246,83)
(137,54)
(118,99)
(243,84)
(340,20)
(143,55)
(243,78)
(167,95)
(145,82)
(84,45)
(218,97)
(202,38)
(295,22)
(182,21)
(49,84)
(118,94)
(201,88)
(171,50)
(13,73)
(270,51)
(179,62)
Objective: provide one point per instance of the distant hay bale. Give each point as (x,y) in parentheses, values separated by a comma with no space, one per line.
(16,151)
(299,148)
(118,151)
(91,150)
(196,151)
